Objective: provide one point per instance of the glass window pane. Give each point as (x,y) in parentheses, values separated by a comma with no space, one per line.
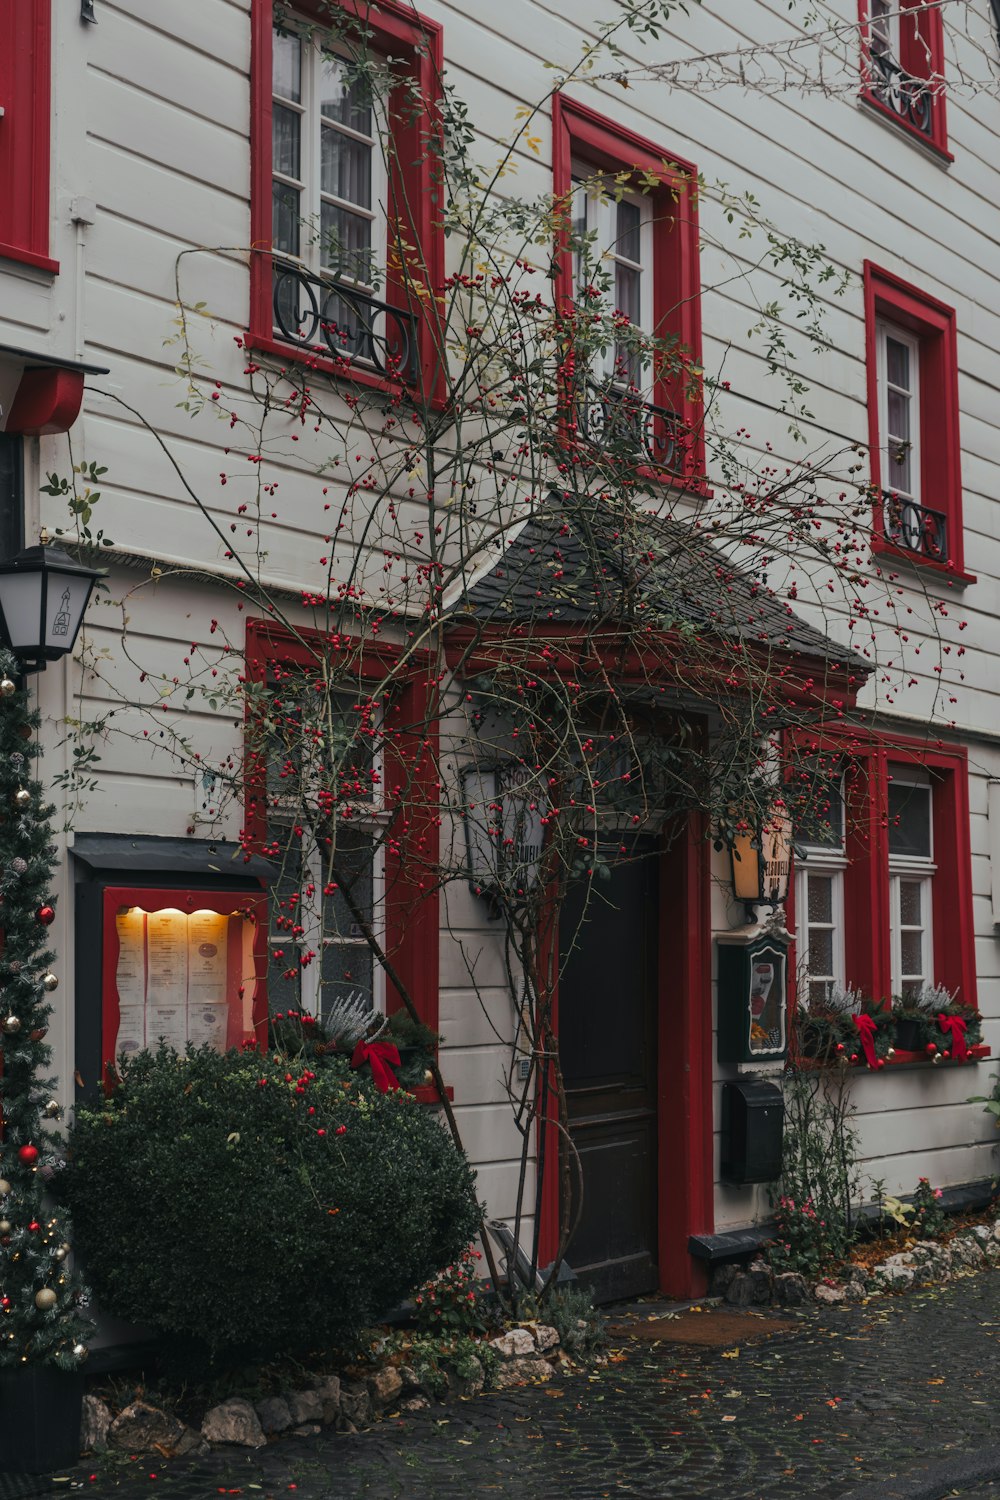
(910,821)
(899,476)
(899,418)
(819,989)
(346,243)
(284,981)
(628,292)
(285,129)
(816,803)
(820,898)
(346,167)
(345,99)
(286,68)
(820,951)
(912,954)
(628,238)
(353,857)
(897,358)
(346,974)
(909,903)
(285,218)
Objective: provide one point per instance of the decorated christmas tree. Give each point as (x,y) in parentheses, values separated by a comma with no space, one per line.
(40,1297)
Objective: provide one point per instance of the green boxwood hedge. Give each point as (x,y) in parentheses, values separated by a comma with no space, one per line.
(255,1207)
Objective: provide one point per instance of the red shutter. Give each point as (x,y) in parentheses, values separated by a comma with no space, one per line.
(25,97)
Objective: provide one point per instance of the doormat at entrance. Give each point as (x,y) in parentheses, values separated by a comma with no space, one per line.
(713,1330)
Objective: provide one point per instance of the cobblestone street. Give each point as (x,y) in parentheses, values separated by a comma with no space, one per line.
(879,1398)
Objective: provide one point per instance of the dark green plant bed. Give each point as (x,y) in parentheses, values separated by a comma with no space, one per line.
(248,1206)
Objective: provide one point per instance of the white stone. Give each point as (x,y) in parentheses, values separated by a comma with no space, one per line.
(233,1421)
(514,1344)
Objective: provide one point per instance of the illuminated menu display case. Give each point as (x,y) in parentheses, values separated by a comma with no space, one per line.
(162,959)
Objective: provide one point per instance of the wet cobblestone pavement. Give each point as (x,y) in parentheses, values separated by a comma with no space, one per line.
(850,1397)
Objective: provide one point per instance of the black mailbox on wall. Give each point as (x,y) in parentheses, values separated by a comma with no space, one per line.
(753,1118)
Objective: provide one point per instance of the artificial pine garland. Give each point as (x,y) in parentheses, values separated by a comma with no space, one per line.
(40,1296)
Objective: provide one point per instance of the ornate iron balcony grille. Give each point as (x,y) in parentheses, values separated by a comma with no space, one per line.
(912,99)
(331,317)
(610,416)
(915,528)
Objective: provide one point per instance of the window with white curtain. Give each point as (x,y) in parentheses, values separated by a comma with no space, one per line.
(819,889)
(911,873)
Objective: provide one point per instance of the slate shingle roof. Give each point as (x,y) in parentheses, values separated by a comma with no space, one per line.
(574,563)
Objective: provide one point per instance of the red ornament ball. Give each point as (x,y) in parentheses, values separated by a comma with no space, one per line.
(46,915)
(931,1047)
(34,1226)
(28,1154)
(5,1303)
(854,1057)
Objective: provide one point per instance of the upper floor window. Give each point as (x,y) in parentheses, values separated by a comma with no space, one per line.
(630,290)
(25,103)
(341,206)
(819,887)
(903,64)
(913,422)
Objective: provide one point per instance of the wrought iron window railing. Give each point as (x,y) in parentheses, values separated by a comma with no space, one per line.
(327,316)
(610,416)
(915,528)
(912,99)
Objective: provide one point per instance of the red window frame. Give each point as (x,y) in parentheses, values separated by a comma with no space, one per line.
(867,761)
(25,96)
(401,32)
(933,324)
(581,133)
(921,45)
(411,905)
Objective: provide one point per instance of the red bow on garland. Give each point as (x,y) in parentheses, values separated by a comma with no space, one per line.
(955,1027)
(866,1030)
(378,1055)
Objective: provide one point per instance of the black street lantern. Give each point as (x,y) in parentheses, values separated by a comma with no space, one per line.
(43,597)
(762,861)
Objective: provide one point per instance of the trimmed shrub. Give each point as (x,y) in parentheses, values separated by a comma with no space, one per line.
(255,1207)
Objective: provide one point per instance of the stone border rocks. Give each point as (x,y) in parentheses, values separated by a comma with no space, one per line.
(926,1262)
(523,1353)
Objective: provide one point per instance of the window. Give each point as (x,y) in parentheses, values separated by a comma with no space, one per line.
(25,102)
(911,870)
(819,887)
(370,790)
(883,893)
(913,422)
(640,260)
(330,861)
(11,496)
(903,66)
(341,197)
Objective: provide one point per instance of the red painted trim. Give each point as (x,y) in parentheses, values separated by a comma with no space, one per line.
(686,1199)
(25,93)
(399,30)
(48,400)
(410,761)
(28,258)
(156,899)
(921,36)
(934,324)
(580,131)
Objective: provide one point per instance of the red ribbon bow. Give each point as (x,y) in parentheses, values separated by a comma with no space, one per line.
(378,1055)
(955,1027)
(866,1030)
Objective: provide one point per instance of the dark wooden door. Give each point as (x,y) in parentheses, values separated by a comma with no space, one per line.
(607,1045)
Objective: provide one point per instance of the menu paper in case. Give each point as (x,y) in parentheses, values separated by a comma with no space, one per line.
(166,958)
(130,976)
(207,957)
(131,1030)
(207,1026)
(166,1023)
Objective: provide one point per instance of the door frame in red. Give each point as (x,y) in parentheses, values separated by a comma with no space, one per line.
(685,1130)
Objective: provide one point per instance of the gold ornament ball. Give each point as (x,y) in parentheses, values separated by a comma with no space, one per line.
(11,1024)
(80,1351)
(891,1052)
(65,1247)
(5,1226)
(4,1187)
(7,687)
(59,1254)
(45,1299)
(22,797)
(52,1109)
(50,981)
